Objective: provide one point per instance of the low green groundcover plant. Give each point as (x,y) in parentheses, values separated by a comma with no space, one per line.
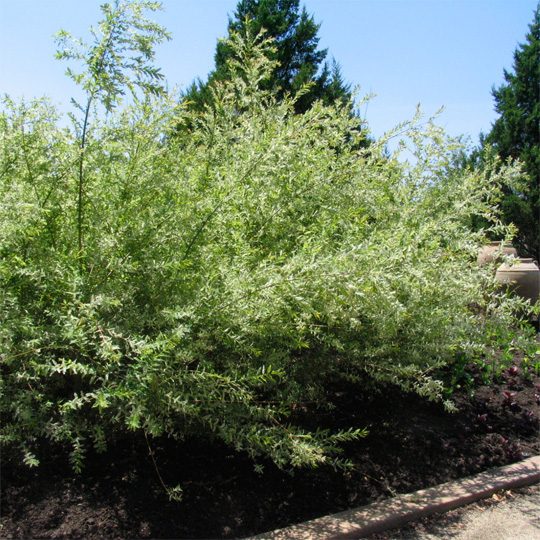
(206,281)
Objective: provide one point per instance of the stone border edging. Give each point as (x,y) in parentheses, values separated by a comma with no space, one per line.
(395,512)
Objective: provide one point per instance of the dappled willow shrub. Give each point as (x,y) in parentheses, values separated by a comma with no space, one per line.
(208,280)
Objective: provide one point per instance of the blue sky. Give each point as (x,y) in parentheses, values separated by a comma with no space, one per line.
(433,52)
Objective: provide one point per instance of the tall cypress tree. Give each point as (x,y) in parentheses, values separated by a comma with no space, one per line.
(516,134)
(299,61)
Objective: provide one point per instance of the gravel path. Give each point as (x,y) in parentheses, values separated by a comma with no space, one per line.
(508,515)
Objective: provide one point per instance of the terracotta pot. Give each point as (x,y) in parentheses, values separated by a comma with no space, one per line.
(523,277)
(493,251)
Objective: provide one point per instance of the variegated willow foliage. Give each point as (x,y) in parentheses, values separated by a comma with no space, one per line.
(206,281)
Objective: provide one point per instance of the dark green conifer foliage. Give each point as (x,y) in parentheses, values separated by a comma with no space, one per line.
(516,134)
(299,61)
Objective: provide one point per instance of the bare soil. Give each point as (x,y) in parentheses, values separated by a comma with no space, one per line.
(412,444)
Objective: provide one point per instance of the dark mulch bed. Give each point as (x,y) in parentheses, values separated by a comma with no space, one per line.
(412,444)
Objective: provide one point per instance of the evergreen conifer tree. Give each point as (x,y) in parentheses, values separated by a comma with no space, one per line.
(299,61)
(516,134)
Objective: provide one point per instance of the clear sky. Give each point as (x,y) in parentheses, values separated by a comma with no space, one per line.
(433,52)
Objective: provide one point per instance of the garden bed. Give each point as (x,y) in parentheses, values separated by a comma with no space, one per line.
(412,444)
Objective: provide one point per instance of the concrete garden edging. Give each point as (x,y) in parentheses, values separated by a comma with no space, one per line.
(395,512)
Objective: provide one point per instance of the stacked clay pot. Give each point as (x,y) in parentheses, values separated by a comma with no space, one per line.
(522,276)
(493,251)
